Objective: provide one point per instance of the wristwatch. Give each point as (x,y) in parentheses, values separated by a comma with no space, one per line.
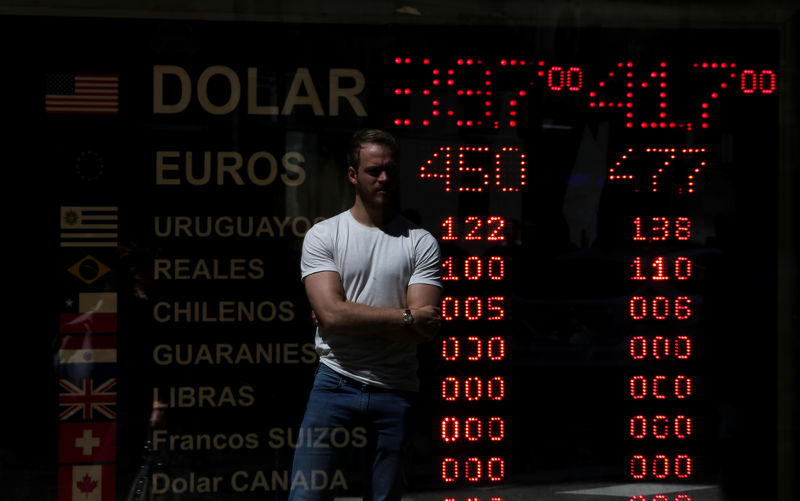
(408,318)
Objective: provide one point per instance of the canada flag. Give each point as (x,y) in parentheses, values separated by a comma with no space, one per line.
(94,482)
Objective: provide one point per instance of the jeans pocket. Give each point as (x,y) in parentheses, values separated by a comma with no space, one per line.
(327,379)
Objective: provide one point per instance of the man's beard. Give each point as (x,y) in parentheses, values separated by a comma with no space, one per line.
(373,201)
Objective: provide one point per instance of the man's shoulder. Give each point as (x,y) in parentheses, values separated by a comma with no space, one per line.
(325,225)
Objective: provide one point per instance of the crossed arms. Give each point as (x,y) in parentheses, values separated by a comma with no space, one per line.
(334,313)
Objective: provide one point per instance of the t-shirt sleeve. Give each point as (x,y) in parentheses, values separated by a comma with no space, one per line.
(317,252)
(428,262)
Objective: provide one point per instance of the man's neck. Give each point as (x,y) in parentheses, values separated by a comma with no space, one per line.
(372,217)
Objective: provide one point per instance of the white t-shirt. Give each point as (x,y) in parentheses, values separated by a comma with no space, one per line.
(376,266)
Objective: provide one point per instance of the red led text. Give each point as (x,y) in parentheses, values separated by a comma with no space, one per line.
(474,268)
(660,427)
(473,469)
(660,387)
(473,389)
(660,347)
(661,467)
(474,229)
(473,349)
(660,308)
(662,497)
(660,229)
(472,429)
(473,308)
(660,268)
(645,168)
(477,169)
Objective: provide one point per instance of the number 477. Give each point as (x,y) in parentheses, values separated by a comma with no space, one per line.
(657,169)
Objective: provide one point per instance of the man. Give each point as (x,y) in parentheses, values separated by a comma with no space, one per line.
(373,280)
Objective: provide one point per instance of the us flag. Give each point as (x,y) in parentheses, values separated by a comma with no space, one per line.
(82,94)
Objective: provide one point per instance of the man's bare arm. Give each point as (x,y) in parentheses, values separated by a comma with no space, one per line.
(333,312)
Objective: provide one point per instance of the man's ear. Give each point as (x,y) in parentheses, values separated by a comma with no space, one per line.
(352,175)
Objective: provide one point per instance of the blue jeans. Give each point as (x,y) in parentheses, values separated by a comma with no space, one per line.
(344,416)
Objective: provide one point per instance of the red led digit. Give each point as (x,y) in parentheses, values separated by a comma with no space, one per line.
(638,387)
(658,269)
(450,349)
(661,467)
(449,470)
(476,223)
(657,387)
(660,427)
(637,230)
(473,388)
(476,352)
(683,387)
(660,229)
(496,388)
(507,162)
(638,307)
(638,427)
(495,305)
(447,265)
(448,229)
(449,308)
(449,429)
(637,347)
(683,268)
(683,308)
(497,429)
(623,101)
(472,268)
(638,467)
(683,426)
(683,466)
(636,266)
(766,82)
(473,310)
(450,387)
(683,347)
(496,469)
(752,82)
(660,308)
(496,348)
(683,228)
(496,224)
(660,347)
(496,268)
(472,429)
(472,470)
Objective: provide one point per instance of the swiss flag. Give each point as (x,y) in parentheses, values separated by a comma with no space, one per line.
(87,442)
(91,482)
